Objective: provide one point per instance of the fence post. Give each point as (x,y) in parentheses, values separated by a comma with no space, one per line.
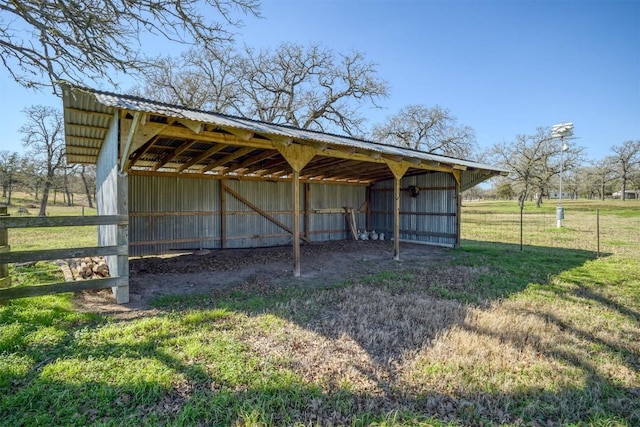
(598,232)
(521,220)
(122,291)
(5,280)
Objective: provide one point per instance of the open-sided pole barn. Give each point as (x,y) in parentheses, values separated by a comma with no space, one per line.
(190,179)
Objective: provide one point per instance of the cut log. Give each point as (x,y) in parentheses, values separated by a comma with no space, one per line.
(66,270)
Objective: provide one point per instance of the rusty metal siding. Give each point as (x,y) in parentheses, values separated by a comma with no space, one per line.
(430,217)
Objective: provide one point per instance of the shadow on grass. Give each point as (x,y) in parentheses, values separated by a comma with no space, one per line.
(178,369)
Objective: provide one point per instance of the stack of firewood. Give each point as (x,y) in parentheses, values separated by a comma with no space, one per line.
(84,268)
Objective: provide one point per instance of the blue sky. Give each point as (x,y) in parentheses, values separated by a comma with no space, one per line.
(502,67)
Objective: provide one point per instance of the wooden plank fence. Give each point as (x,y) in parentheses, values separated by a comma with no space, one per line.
(5,281)
(121,250)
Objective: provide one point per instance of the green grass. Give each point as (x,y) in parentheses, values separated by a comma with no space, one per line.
(491,336)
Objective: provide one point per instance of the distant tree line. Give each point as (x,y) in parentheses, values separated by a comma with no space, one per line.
(24,174)
(537,161)
(43,170)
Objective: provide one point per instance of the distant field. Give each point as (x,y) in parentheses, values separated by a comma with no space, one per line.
(619,224)
(50,237)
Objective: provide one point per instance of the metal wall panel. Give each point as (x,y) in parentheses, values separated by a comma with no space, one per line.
(246,228)
(333,226)
(107,181)
(173,213)
(430,217)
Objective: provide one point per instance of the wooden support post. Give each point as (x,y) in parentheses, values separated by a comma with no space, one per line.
(223,214)
(367,222)
(5,280)
(398,169)
(458,177)
(121,292)
(297,156)
(296,223)
(396,219)
(307,210)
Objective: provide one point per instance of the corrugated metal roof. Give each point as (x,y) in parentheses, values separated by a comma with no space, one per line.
(88,113)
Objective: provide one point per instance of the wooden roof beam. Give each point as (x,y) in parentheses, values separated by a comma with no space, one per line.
(180,132)
(133,158)
(244,135)
(252,160)
(352,168)
(195,126)
(282,169)
(320,164)
(201,157)
(228,158)
(265,165)
(174,154)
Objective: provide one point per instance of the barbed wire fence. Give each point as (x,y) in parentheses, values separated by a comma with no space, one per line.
(588,230)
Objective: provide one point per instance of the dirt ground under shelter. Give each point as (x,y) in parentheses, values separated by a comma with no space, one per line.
(206,271)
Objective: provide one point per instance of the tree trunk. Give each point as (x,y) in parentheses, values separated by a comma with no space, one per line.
(539,199)
(45,198)
(86,187)
(65,184)
(521,199)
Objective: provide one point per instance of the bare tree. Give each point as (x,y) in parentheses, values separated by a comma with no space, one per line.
(43,42)
(627,160)
(44,137)
(600,174)
(309,87)
(88,175)
(431,129)
(206,80)
(9,169)
(535,161)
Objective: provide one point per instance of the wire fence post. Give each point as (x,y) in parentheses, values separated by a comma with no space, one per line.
(598,232)
(521,221)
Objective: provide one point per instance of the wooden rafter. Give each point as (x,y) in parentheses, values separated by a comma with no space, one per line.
(174,154)
(228,158)
(133,158)
(320,164)
(252,161)
(201,157)
(265,166)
